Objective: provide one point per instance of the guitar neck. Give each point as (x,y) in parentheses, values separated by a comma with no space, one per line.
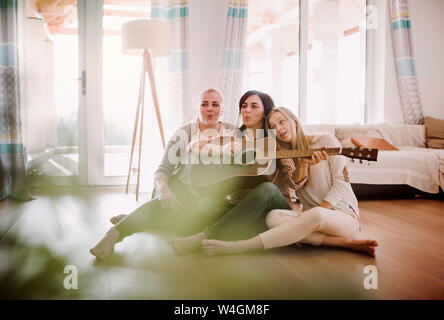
(280,154)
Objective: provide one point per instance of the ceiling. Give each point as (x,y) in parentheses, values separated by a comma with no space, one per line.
(61,15)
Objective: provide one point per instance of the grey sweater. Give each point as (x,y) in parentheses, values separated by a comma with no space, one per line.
(176,150)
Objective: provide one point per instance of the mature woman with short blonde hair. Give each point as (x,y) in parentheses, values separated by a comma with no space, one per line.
(173,193)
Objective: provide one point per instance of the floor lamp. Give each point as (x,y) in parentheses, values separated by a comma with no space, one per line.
(146,38)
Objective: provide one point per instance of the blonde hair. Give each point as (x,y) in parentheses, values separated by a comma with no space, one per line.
(299,141)
(206,90)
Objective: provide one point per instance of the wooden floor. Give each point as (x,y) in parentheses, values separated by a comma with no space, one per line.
(40,237)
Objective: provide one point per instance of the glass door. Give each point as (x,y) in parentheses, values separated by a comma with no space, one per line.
(117,84)
(80,93)
(120,85)
(52,83)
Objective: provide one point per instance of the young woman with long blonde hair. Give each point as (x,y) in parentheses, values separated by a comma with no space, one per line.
(330,213)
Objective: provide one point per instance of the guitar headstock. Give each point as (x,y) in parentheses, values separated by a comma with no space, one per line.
(361,153)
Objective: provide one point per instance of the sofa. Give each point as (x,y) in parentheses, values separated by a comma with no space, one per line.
(413,168)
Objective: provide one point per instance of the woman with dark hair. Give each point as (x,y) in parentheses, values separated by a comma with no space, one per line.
(254,106)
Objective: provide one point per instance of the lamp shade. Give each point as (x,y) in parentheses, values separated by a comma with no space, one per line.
(151,35)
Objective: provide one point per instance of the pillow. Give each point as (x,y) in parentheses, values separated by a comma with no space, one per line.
(402,135)
(374,143)
(434,133)
(347,143)
(344,134)
(435,143)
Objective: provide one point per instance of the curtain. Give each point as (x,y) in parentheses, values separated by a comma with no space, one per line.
(233,58)
(178,79)
(408,85)
(12,160)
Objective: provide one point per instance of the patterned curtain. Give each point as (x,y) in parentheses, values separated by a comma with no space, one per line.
(177,13)
(233,58)
(12,160)
(409,92)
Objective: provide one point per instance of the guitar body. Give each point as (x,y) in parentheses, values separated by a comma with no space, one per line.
(226,178)
(213,179)
(231,185)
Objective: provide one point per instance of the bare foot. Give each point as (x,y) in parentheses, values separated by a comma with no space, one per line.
(104,248)
(214,247)
(187,244)
(116,219)
(366,246)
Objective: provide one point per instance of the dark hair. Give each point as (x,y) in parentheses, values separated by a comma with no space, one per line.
(266,101)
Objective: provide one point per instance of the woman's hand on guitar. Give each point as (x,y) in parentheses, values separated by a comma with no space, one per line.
(168,199)
(317,157)
(196,145)
(231,148)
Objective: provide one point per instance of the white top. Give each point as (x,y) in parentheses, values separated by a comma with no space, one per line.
(326,181)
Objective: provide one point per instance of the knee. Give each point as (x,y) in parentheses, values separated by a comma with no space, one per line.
(313,216)
(271,218)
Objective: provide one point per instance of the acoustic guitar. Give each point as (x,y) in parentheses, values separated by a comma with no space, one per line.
(255,165)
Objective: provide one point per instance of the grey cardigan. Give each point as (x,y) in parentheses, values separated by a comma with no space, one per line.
(179,142)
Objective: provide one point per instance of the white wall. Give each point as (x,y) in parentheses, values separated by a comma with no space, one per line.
(207,31)
(375,61)
(428,27)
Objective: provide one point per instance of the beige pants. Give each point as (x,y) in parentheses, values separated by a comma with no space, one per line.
(311,226)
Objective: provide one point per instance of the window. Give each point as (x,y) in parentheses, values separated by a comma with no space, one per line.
(272,50)
(80,92)
(120,86)
(333,72)
(336,62)
(50,86)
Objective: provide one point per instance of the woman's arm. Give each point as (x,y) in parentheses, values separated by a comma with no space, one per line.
(230,148)
(175,150)
(172,156)
(294,176)
(296,172)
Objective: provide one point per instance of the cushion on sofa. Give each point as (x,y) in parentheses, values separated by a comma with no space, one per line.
(435,143)
(348,143)
(402,135)
(344,134)
(434,133)
(374,143)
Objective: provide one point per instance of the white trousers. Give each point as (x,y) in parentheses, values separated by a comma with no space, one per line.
(311,226)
